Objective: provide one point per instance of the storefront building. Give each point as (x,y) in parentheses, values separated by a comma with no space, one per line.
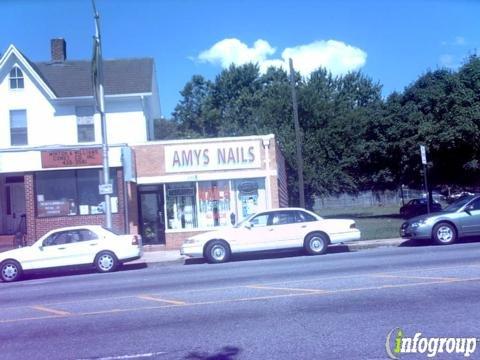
(44,189)
(191,186)
(51,157)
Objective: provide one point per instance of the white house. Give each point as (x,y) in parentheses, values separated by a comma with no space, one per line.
(51,132)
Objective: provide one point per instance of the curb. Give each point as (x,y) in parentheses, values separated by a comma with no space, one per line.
(372,244)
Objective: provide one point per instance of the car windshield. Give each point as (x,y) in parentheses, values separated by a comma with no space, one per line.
(244,221)
(458,204)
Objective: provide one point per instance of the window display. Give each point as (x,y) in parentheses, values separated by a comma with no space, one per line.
(217,203)
(214,203)
(72,192)
(181,206)
(251,196)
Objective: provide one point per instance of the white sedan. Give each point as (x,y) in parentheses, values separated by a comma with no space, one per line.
(271,230)
(72,246)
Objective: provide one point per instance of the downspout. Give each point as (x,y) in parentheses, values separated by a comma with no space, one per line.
(266,145)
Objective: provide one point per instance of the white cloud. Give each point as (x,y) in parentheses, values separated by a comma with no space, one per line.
(233,51)
(336,56)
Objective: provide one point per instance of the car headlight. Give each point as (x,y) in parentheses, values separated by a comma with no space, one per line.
(418,223)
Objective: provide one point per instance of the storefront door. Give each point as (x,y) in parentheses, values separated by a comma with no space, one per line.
(15,205)
(152,217)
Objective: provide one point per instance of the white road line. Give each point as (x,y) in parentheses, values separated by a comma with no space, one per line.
(132,356)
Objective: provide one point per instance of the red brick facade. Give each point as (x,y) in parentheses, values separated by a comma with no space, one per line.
(149,166)
(150,163)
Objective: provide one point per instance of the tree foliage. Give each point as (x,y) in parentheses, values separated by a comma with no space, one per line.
(352,138)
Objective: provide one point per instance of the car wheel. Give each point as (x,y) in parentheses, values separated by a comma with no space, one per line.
(106,262)
(217,252)
(316,244)
(444,234)
(10,270)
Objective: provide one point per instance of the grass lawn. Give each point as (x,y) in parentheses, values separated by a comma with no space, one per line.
(375,222)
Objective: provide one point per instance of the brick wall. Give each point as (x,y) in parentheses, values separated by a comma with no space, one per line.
(175,240)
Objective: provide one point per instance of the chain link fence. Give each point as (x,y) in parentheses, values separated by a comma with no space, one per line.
(368,198)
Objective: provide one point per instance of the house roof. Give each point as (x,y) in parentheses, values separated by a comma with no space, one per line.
(74,78)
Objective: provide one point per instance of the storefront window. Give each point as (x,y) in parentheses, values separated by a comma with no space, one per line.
(181,206)
(250,195)
(218,203)
(72,192)
(214,203)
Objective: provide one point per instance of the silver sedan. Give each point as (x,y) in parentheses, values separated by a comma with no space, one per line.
(460,219)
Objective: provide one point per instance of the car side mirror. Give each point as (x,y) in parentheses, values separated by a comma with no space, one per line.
(468,209)
(248,225)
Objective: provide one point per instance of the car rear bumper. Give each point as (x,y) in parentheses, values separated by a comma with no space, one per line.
(353,235)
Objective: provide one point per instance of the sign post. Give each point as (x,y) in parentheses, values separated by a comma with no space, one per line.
(423,154)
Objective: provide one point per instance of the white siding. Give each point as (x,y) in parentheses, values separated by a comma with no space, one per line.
(54,122)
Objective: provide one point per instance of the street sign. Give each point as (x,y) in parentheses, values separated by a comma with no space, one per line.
(105,189)
(423,153)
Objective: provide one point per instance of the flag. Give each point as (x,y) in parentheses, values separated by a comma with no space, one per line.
(97,65)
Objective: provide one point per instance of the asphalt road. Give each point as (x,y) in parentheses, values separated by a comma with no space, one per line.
(290,306)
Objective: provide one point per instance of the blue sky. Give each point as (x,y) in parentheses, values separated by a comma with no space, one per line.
(392,42)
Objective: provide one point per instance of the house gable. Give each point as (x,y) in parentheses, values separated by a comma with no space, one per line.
(13,57)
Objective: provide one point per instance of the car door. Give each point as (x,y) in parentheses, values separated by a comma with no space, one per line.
(256,235)
(286,231)
(57,250)
(85,245)
(470,219)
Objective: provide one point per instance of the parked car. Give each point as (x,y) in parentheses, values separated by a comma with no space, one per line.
(417,207)
(459,219)
(271,230)
(71,246)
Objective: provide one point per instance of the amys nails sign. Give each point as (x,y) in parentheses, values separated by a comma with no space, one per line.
(212,156)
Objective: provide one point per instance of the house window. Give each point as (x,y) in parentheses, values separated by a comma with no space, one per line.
(85,125)
(18,127)
(16,78)
(72,192)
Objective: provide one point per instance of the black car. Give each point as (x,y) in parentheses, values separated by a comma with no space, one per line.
(417,207)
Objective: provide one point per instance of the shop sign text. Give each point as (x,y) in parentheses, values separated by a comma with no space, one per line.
(71,158)
(213,156)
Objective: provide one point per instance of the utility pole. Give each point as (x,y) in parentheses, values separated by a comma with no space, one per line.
(97,77)
(298,138)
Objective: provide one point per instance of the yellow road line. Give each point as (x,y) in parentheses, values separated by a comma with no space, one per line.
(151,298)
(175,304)
(51,311)
(262,287)
(272,283)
